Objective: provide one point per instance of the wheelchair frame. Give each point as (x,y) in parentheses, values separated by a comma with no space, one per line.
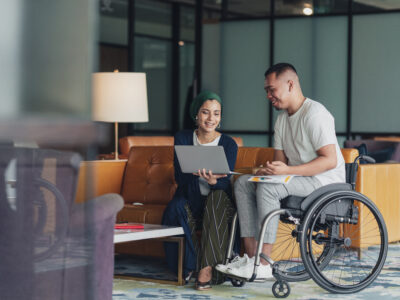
(320,207)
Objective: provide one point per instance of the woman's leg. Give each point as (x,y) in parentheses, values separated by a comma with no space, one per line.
(218,213)
(178,213)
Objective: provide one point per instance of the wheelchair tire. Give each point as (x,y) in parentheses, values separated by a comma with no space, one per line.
(360,241)
(281,289)
(237,282)
(286,253)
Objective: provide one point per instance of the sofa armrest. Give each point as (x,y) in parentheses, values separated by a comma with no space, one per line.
(380,183)
(99,177)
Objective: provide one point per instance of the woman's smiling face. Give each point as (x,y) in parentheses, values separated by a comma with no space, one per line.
(209,115)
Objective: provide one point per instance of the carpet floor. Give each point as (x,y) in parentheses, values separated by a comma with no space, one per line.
(386,286)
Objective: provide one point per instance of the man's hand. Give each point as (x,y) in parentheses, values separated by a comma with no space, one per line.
(277,168)
(274,168)
(209,177)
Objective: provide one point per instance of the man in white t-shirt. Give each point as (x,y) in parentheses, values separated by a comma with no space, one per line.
(305,144)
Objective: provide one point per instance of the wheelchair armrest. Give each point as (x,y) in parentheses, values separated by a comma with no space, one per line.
(324,190)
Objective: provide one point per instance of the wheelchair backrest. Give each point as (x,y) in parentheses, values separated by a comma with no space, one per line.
(351,173)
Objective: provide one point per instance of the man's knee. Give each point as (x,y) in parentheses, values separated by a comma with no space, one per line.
(272,191)
(242,184)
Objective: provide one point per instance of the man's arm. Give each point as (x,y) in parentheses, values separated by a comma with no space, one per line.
(279,155)
(325,161)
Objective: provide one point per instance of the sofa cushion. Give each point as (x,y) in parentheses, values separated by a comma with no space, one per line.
(149,175)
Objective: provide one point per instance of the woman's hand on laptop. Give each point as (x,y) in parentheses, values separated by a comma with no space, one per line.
(209,176)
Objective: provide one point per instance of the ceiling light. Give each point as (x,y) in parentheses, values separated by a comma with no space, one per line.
(308,11)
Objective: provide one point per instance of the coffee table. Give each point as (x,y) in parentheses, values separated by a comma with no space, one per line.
(153,231)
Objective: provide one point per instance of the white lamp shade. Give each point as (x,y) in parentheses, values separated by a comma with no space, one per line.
(119,97)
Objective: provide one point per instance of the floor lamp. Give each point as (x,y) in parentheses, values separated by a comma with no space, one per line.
(119,97)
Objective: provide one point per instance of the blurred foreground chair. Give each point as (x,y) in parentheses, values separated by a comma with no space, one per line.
(51,247)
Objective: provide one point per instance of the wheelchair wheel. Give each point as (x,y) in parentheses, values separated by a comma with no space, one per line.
(280,289)
(351,225)
(237,282)
(286,253)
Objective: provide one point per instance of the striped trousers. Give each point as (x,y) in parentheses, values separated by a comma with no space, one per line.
(215,224)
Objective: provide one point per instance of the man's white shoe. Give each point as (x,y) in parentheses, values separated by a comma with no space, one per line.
(236,262)
(246,271)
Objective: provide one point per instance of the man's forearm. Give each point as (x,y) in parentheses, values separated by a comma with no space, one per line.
(314,167)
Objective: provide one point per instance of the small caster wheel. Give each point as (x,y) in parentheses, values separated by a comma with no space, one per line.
(281,289)
(237,282)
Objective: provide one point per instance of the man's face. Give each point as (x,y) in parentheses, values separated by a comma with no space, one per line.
(277,91)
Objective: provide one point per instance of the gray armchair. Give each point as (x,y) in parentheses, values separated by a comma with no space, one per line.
(51,247)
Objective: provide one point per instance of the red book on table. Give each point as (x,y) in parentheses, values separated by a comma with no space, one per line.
(128,226)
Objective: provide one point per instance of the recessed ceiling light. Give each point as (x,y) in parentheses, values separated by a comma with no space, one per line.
(308,11)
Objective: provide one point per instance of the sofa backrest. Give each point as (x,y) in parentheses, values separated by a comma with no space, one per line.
(127,142)
(149,173)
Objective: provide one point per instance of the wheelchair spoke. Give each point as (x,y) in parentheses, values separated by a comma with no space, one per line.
(358,249)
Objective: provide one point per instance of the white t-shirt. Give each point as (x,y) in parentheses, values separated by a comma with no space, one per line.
(204,187)
(306,131)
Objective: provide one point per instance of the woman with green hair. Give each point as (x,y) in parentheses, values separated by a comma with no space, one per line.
(202,200)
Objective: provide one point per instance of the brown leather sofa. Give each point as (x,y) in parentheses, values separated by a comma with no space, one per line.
(148,185)
(147,177)
(126,143)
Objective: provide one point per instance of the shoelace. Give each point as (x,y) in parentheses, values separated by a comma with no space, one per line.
(236,260)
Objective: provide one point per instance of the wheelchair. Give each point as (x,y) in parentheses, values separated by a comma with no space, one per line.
(336,236)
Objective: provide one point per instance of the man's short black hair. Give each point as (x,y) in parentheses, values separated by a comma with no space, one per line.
(279,68)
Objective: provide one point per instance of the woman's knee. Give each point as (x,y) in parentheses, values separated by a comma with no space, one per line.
(174,209)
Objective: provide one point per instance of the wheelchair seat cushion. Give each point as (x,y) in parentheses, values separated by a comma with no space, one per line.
(302,203)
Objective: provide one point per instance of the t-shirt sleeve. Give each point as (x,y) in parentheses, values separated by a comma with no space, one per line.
(321,129)
(278,144)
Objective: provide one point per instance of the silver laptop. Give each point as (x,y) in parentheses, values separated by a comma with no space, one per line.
(194,158)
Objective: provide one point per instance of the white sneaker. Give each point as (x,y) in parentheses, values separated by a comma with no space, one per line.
(236,262)
(246,271)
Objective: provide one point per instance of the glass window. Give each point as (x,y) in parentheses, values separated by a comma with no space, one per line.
(254,140)
(318,50)
(376,72)
(187,23)
(153,56)
(186,74)
(244,58)
(249,8)
(211,62)
(309,7)
(375,5)
(153,18)
(113,22)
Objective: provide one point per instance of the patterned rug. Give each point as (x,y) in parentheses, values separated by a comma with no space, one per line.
(386,286)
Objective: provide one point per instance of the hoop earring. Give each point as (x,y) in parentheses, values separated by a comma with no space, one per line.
(219,125)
